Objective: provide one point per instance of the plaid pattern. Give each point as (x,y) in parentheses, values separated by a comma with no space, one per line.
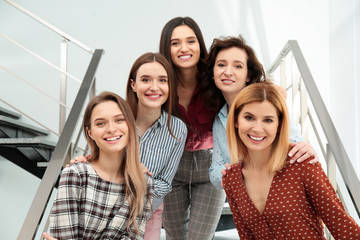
(193,208)
(88,207)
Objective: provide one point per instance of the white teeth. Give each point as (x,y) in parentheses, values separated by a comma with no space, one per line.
(154,96)
(112,139)
(256,139)
(185,56)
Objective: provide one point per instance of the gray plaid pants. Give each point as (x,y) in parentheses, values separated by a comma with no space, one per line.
(193,208)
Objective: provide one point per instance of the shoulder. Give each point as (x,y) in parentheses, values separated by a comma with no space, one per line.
(79,169)
(234,171)
(305,168)
(177,125)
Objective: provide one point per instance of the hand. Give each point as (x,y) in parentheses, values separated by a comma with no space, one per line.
(145,169)
(79,158)
(224,172)
(48,237)
(301,151)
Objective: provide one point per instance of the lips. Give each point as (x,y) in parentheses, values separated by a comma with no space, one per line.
(113,139)
(153,96)
(227,81)
(185,57)
(256,139)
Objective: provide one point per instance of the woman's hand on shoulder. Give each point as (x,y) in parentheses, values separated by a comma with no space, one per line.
(145,169)
(301,151)
(48,237)
(79,158)
(224,172)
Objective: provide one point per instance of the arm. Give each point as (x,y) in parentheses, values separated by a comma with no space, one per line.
(64,213)
(163,180)
(327,205)
(243,231)
(219,158)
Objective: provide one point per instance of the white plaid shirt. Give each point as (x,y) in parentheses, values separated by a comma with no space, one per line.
(89,207)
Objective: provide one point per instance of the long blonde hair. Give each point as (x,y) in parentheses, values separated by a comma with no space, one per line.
(259,92)
(136,187)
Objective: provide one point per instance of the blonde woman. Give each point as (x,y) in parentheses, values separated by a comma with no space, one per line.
(269,197)
(109,197)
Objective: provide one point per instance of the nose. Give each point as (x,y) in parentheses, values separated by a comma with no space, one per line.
(228,71)
(258,126)
(184,47)
(110,127)
(154,85)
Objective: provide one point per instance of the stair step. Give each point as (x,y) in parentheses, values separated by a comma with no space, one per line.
(31,154)
(11,128)
(7,113)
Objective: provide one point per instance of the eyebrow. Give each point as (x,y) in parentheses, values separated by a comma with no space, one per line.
(223,60)
(177,39)
(162,76)
(119,115)
(249,113)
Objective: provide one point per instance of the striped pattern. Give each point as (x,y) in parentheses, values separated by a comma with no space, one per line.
(160,153)
(88,207)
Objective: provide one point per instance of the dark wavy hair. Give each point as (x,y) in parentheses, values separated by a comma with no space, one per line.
(256,71)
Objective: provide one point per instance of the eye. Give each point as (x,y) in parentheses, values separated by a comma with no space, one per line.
(221,65)
(249,118)
(145,80)
(99,124)
(175,43)
(120,120)
(269,120)
(163,80)
(238,66)
(192,41)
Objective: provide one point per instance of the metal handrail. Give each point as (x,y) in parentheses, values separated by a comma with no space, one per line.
(40,58)
(53,28)
(336,146)
(51,175)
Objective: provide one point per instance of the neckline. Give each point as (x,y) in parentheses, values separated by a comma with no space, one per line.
(267,197)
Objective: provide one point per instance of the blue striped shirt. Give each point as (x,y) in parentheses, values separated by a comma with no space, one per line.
(160,153)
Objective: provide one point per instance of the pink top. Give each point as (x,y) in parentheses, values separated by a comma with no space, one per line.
(200,120)
(300,198)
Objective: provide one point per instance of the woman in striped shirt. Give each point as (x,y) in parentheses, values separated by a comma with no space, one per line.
(151,94)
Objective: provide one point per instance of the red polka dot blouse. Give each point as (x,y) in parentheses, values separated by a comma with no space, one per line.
(300,199)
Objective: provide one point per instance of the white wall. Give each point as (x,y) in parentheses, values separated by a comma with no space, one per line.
(327,31)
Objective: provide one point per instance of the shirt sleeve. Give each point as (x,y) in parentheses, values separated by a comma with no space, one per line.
(295,135)
(218,162)
(64,213)
(243,231)
(327,205)
(164,179)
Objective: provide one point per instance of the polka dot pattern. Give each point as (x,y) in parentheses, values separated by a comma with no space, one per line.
(300,200)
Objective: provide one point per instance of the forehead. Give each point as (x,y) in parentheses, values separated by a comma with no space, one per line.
(106,109)
(182,31)
(151,69)
(264,108)
(232,54)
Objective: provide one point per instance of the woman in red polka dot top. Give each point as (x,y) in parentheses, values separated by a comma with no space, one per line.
(270,198)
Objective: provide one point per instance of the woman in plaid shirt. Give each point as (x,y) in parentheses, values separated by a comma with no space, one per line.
(109,197)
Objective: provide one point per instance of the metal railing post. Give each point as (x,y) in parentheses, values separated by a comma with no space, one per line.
(63,82)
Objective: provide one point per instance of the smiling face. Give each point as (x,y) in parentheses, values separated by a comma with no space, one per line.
(185,47)
(108,128)
(231,71)
(151,85)
(257,125)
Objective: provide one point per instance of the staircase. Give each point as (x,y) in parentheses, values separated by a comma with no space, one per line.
(23,144)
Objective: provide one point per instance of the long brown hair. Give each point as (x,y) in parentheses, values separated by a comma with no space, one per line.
(255,69)
(170,105)
(136,187)
(259,92)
